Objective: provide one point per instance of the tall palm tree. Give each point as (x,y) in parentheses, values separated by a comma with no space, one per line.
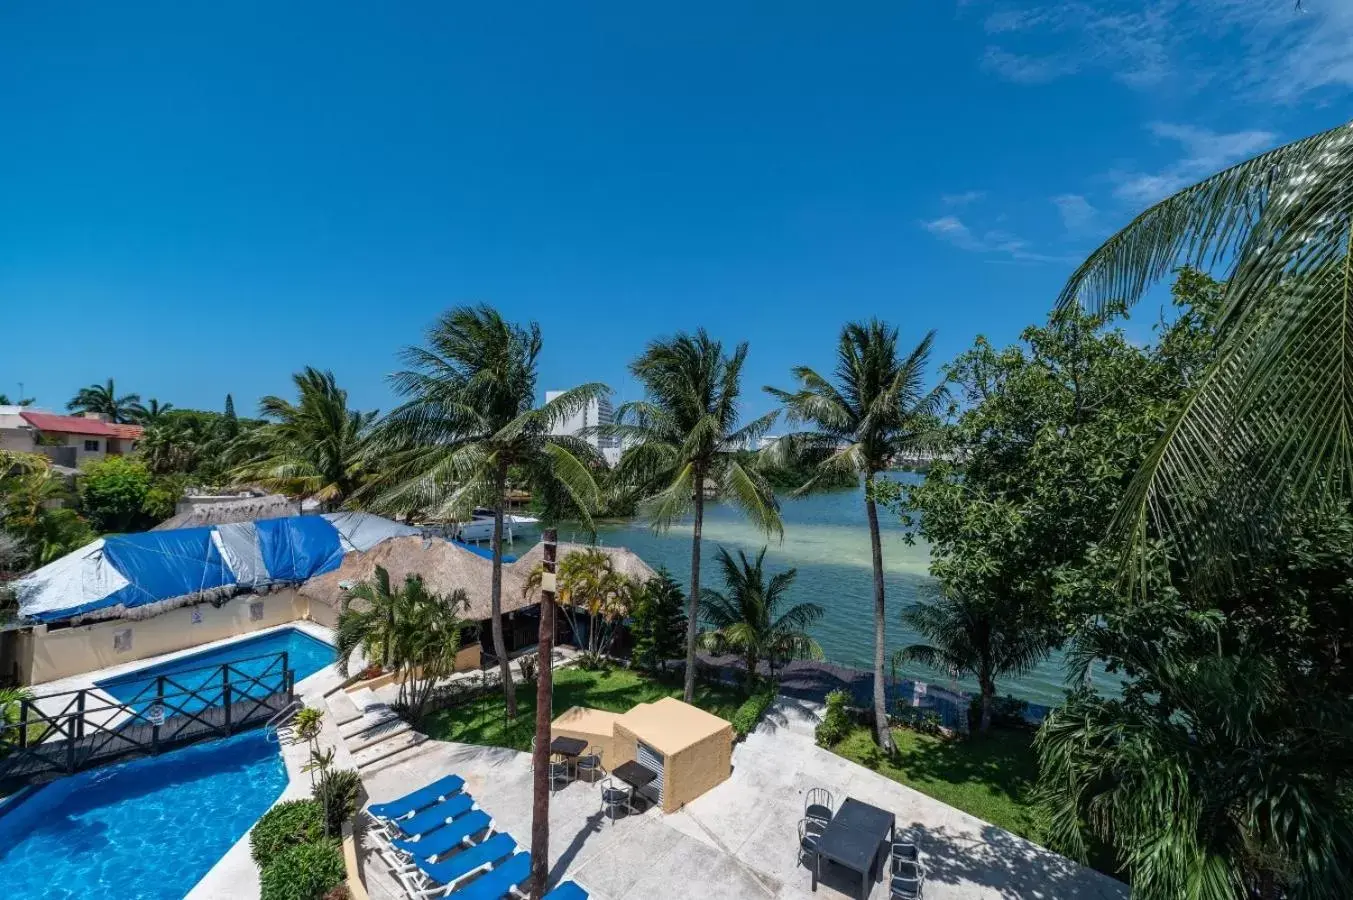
(970,637)
(681,444)
(315,447)
(151,413)
(367,622)
(103,399)
(1279,224)
(469,419)
(750,619)
(878,409)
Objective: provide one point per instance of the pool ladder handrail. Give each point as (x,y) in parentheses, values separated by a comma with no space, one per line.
(282,719)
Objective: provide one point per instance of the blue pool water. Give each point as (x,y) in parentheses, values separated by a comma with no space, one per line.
(142,830)
(255,657)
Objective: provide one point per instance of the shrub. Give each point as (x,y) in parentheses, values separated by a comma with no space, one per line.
(752,709)
(307,723)
(337,794)
(836,723)
(1006,712)
(529,666)
(925,721)
(339,893)
(304,872)
(286,825)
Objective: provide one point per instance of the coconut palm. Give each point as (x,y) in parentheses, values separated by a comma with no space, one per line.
(367,622)
(588,584)
(1279,225)
(681,444)
(103,399)
(878,409)
(750,620)
(315,447)
(969,637)
(150,414)
(22,401)
(469,419)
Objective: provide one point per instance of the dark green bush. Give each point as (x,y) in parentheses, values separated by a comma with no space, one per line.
(926,721)
(752,709)
(337,794)
(286,825)
(304,872)
(836,723)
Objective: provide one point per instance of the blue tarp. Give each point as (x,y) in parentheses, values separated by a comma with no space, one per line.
(124,572)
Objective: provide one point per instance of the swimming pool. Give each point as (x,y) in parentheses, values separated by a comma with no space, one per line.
(142,830)
(254,657)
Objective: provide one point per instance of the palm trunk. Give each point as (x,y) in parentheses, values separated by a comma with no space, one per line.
(885,737)
(496,593)
(988,700)
(540,755)
(751,673)
(693,602)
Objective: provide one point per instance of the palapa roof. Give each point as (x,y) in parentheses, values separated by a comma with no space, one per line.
(446,567)
(224,512)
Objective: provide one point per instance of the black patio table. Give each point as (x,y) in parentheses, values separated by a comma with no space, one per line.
(853,839)
(567,746)
(634,774)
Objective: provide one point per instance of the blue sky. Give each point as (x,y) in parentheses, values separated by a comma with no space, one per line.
(202,198)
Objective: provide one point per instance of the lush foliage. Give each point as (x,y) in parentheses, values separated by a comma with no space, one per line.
(33,530)
(10,700)
(103,400)
(659,623)
(752,709)
(588,584)
(288,824)
(113,493)
(336,791)
(877,412)
(306,871)
(751,619)
(836,722)
(678,445)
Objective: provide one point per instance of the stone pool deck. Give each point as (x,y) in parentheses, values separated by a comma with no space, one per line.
(740,839)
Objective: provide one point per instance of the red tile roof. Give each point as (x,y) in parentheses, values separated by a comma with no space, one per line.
(81,425)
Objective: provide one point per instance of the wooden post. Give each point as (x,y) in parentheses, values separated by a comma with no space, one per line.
(23,724)
(155,726)
(540,758)
(226,699)
(80,714)
(287,686)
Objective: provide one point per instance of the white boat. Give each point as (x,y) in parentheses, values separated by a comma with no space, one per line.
(480,526)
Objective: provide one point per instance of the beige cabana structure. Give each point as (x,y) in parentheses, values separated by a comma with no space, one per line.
(596,726)
(690,750)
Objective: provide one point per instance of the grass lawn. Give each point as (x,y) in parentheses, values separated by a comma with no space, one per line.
(992,778)
(482,721)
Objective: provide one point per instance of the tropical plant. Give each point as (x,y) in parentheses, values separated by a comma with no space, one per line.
(659,622)
(836,723)
(681,445)
(103,400)
(22,401)
(750,619)
(467,420)
(315,447)
(113,493)
(307,723)
(151,413)
(11,700)
(30,494)
(287,824)
(337,792)
(319,762)
(877,411)
(303,872)
(968,637)
(588,584)
(1279,224)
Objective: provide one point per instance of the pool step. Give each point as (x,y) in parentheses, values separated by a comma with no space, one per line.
(342,708)
(364,759)
(379,734)
(366,723)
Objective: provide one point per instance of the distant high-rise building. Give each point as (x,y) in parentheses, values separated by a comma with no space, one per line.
(596,412)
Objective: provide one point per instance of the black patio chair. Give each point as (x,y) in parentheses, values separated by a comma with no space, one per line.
(614,799)
(810,832)
(818,805)
(908,881)
(559,773)
(905,851)
(589,764)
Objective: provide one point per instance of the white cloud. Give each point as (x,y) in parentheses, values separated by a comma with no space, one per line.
(1205,152)
(1000,244)
(963,199)
(1026,69)
(1078,214)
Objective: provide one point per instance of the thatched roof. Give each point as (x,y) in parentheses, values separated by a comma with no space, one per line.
(223,512)
(446,567)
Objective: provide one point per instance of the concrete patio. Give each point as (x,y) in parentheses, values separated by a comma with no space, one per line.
(740,839)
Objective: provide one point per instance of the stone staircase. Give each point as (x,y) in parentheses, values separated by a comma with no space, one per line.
(370,730)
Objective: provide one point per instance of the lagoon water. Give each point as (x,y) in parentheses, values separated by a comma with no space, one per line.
(827,539)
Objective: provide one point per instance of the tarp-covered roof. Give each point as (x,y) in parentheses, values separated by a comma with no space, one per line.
(144,573)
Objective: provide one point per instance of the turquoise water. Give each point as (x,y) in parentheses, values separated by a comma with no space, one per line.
(255,658)
(143,830)
(827,539)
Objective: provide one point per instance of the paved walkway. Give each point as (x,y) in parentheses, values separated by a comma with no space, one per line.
(740,839)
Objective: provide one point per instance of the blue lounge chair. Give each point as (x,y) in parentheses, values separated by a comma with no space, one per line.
(439,790)
(569,890)
(444,839)
(441,877)
(433,818)
(498,883)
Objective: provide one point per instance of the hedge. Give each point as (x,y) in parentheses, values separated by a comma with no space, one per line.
(752,709)
(286,825)
(304,872)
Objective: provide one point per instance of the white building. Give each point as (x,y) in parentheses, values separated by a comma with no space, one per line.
(596,412)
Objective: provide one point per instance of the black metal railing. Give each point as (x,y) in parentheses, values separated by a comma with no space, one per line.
(66,732)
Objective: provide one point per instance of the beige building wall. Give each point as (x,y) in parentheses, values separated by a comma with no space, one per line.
(701,766)
(17,440)
(62,652)
(595,726)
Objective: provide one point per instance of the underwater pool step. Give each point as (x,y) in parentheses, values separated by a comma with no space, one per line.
(388,730)
(385,749)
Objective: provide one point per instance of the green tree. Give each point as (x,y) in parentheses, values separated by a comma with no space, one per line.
(468,418)
(230,423)
(878,410)
(984,640)
(113,493)
(751,619)
(659,625)
(680,445)
(151,413)
(23,401)
(313,448)
(588,583)
(103,399)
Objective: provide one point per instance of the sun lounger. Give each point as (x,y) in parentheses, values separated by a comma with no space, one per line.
(405,806)
(569,890)
(429,819)
(498,883)
(445,839)
(438,878)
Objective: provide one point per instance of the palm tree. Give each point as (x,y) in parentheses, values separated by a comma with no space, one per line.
(467,421)
(370,626)
(587,582)
(23,401)
(315,447)
(878,410)
(103,399)
(150,414)
(748,620)
(681,445)
(1279,224)
(969,637)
